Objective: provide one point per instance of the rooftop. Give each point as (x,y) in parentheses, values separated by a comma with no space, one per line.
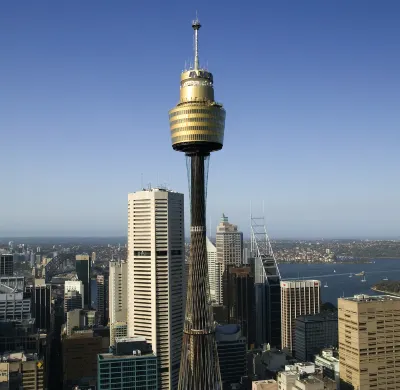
(130,339)
(375,298)
(324,316)
(156,189)
(295,283)
(310,380)
(18,356)
(110,355)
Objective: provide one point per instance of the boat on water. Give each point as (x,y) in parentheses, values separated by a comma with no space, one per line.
(385,278)
(363,279)
(362,273)
(334,271)
(351,275)
(326,284)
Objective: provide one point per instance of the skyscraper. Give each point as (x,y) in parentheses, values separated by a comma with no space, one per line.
(102,298)
(212,270)
(197,128)
(131,364)
(314,332)
(267,285)
(155,276)
(229,243)
(118,299)
(75,285)
(239,300)
(72,301)
(42,305)
(229,252)
(6,264)
(231,353)
(83,270)
(369,342)
(298,298)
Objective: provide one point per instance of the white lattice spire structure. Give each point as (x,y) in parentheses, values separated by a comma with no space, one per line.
(267,284)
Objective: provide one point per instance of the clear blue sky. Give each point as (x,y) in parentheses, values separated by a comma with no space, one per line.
(311,89)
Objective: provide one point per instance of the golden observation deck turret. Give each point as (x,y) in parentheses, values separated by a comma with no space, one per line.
(197,123)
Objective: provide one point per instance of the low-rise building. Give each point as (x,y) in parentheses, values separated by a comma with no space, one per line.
(80,352)
(118,329)
(268,384)
(314,332)
(231,353)
(329,364)
(21,371)
(131,364)
(308,383)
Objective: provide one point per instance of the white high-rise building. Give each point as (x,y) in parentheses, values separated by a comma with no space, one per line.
(229,252)
(212,263)
(156,255)
(118,299)
(74,285)
(298,298)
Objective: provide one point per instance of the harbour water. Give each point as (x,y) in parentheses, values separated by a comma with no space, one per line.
(339,283)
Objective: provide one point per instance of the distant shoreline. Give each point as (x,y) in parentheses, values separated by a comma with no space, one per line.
(385,292)
(364,260)
(324,262)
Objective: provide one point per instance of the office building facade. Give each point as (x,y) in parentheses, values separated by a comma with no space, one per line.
(268,384)
(267,298)
(155,276)
(75,285)
(102,285)
(232,347)
(131,364)
(72,301)
(118,329)
(212,271)
(229,244)
(42,305)
(313,333)
(369,342)
(298,298)
(118,299)
(83,264)
(15,304)
(6,264)
(80,352)
(21,370)
(239,299)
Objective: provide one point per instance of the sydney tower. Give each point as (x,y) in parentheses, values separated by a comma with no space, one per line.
(197,128)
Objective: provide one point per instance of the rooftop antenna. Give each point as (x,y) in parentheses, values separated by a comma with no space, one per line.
(251,242)
(196,27)
(141,180)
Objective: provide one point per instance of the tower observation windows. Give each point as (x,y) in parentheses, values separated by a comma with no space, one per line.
(213,112)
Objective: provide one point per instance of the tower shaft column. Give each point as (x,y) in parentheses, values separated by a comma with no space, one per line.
(199,360)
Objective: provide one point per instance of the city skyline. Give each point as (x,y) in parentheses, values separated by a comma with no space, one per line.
(319,118)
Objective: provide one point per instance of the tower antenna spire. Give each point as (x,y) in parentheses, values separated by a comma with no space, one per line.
(196,27)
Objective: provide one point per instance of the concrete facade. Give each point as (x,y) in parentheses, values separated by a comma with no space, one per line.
(298,298)
(118,299)
(229,244)
(156,258)
(369,341)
